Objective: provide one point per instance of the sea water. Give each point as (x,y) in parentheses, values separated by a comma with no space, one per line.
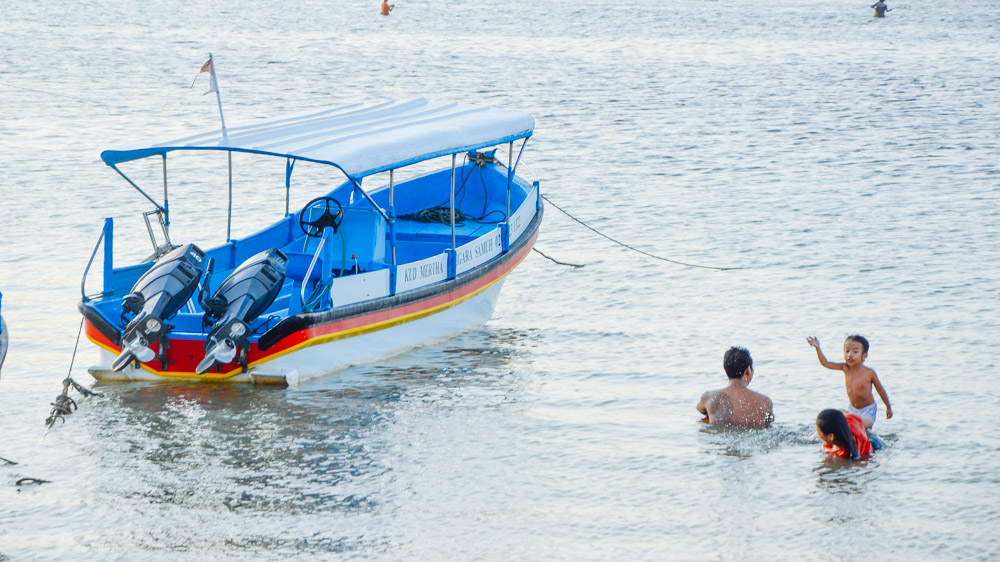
(846,165)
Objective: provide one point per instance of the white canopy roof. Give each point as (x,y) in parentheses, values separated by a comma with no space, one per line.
(360,140)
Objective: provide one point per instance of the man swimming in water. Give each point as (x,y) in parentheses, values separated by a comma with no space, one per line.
(736,405)
(880,9)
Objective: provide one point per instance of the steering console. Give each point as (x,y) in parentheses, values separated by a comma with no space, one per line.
(329,218)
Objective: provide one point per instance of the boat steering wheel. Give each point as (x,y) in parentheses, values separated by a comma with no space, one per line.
(315,227)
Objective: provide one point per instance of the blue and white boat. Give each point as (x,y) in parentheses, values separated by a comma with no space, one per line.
(358,273)
(3,334)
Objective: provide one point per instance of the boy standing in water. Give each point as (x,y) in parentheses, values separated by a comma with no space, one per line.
(880,9)
(858,378)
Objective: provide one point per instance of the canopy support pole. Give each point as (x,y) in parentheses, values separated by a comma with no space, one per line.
(392,213)
(452,202)
(510,156)
(229,215)
(357,184)
(510,171)
(289,165)
(166,202)
(139,189)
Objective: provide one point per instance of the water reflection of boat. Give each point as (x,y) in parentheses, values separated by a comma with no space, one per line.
(354,275)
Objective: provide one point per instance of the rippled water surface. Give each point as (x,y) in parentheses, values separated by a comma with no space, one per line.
(850,166)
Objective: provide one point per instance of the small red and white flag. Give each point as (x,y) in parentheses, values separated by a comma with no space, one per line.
(213,86)
(209,67)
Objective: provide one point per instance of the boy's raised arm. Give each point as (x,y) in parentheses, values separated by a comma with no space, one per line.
(814,341)
(882,394)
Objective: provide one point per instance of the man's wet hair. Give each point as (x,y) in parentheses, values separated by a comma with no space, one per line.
(858,339)
(736,361)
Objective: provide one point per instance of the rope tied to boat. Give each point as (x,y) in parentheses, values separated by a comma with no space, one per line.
(64,405)
(555,261)
(442,213)
(634,249)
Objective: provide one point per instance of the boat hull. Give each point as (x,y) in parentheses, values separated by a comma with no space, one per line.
(325,357)
(3,341)
(319,344)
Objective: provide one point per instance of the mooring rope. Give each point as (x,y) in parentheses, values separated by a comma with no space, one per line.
(64,405)
(553,260)
(76,346)
(54,94)
(634,249)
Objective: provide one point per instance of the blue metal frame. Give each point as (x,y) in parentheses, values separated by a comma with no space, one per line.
(108,286)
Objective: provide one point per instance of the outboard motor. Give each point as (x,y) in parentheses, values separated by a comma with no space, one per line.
(156,298)
(241,298)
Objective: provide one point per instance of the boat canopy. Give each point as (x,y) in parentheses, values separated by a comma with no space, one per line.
(358,139)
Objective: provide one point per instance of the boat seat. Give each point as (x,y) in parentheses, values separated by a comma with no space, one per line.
(415,230)
(362,234)
(298,265)
(295,273)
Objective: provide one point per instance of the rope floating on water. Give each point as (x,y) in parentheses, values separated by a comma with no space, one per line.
(30,480)
(634,249)
(555,260)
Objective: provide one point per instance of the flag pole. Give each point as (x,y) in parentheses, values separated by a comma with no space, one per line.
(218,96)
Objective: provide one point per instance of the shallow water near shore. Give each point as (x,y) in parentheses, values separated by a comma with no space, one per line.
(848,166)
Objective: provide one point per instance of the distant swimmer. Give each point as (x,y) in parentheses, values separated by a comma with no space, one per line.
(880,9)
(736,405)
(387,7)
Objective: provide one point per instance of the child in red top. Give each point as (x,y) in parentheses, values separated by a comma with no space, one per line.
(844,434)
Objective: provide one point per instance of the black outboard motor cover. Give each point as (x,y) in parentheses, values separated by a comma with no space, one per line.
(156,298)
(241,298)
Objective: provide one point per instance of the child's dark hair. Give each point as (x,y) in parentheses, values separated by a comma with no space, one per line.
(858,339)
(834,421)
(736,361)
